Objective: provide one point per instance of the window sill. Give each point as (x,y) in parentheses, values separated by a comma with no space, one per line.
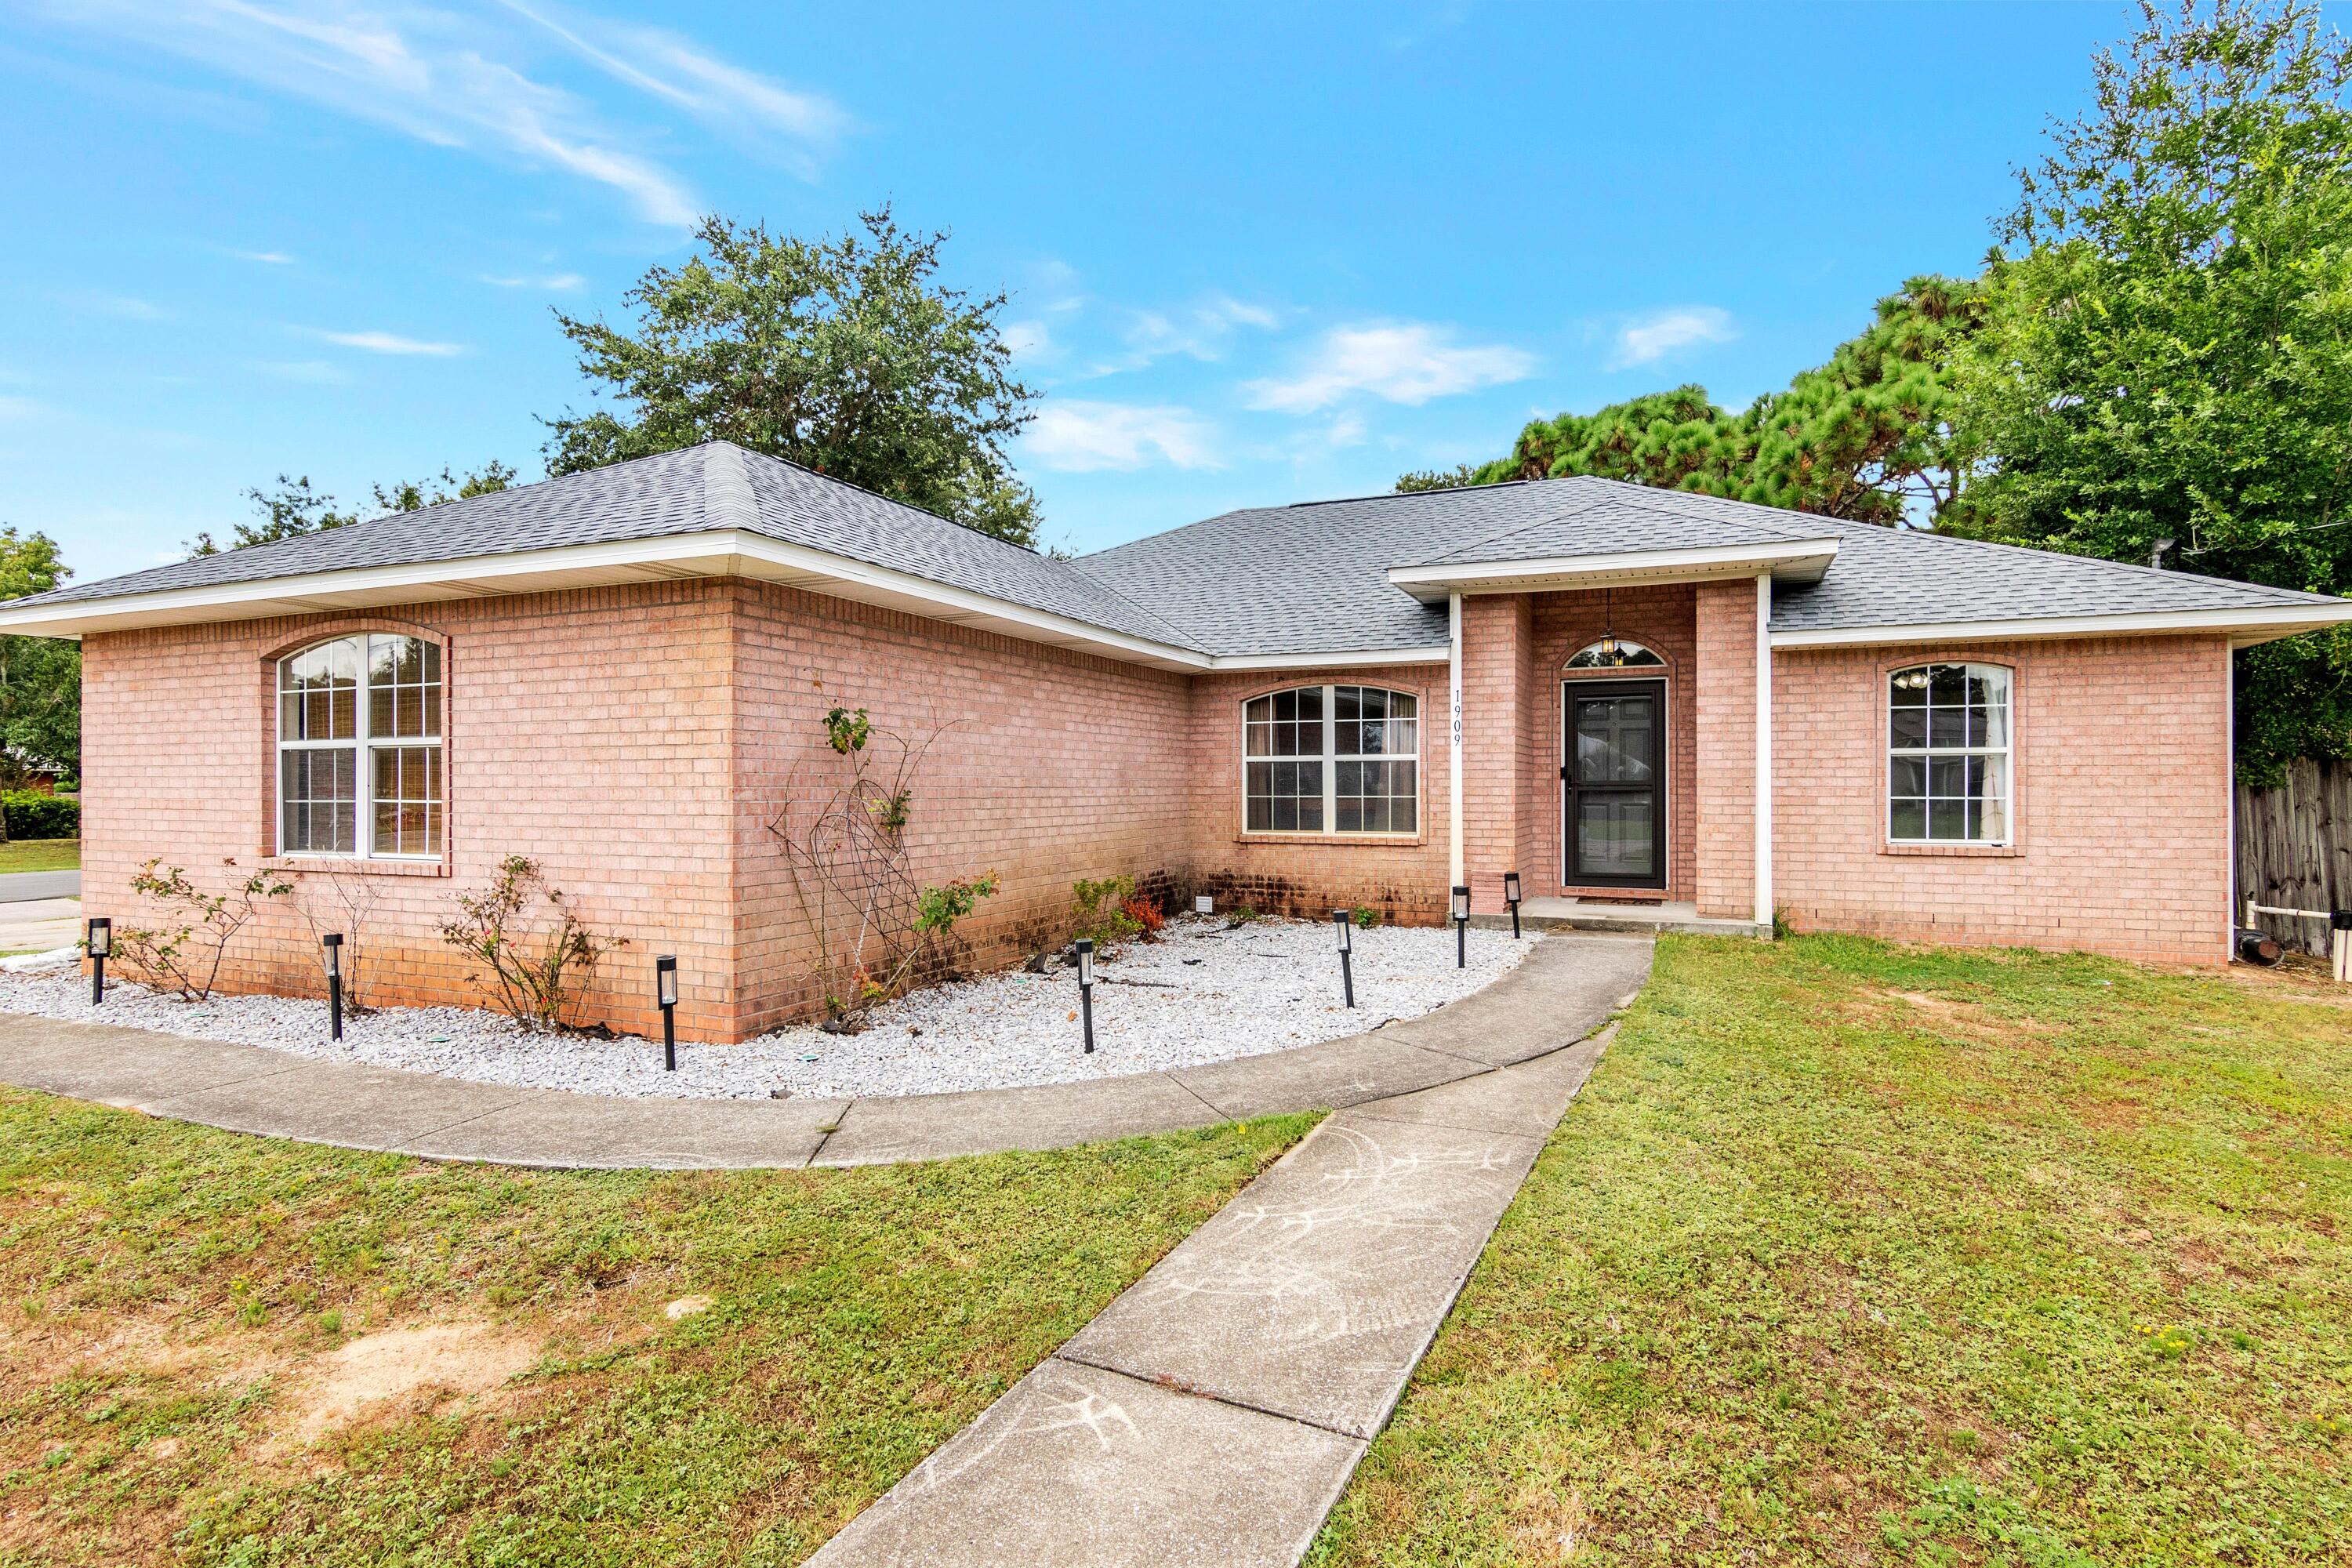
(1965,851)
(1379,840)
(356,865)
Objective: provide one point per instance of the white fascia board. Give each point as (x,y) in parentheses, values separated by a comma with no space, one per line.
(717,552)
(1361,657)
(1789,560)
(2244,628)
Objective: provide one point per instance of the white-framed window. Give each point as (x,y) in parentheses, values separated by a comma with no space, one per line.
(359,748)
(1948,754)
(1331,759)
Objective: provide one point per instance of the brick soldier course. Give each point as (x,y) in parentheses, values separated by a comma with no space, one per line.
(636,665)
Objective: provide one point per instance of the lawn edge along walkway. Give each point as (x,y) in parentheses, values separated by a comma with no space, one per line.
(1565,988)
(1215,1412)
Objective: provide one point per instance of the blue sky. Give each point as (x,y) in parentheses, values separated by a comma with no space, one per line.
(1257,253)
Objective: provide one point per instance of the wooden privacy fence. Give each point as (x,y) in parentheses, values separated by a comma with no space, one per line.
(2295,849)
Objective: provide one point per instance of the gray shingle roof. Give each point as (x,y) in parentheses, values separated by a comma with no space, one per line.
(1315,577)
(1887,578)
(1602,517)
(1310,578)
(671,493)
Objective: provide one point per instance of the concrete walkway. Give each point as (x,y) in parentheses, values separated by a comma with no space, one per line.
(1213,1413)
(1566,987)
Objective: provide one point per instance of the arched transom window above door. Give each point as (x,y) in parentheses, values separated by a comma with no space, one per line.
(359,748)
(1615,653)
(1331,759)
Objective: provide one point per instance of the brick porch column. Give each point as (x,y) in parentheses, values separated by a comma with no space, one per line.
(1497,634)
(1726,691)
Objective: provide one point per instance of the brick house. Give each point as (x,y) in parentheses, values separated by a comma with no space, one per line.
(625,675)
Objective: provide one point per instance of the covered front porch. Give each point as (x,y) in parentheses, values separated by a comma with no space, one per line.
(1609,743)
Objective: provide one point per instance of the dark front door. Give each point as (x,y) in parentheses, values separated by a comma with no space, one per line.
(1615,781)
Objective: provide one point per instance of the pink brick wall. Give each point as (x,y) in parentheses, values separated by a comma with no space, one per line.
(587,729)
(2122,802)
(1312,874)
(1048,766)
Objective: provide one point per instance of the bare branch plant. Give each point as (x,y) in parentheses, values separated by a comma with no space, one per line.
(842,828)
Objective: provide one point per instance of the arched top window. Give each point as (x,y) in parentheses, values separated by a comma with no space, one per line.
(1948,754)
(359,748)
(1331,759)
(1615,653)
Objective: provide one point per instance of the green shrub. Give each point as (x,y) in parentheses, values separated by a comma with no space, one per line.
(1367,917)
(32,816)
(1101,909)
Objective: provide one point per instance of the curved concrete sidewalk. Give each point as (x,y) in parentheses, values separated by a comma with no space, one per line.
(1565,989)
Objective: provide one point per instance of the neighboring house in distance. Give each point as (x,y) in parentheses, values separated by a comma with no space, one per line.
(617,673)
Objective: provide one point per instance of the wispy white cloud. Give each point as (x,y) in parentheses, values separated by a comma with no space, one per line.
(15,408)
(458,79)
(316,372)
(377,343)
(1400,361)
(737,102)
(268,257)
(558,283)
(1202,330)
(1653,337)
(1075,436)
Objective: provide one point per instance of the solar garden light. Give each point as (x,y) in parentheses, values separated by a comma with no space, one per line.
(101,942)
(1461,928)
(2340,943)
(665,996)
(1346,924)
(1511,896)
(1086,989)
(333,942)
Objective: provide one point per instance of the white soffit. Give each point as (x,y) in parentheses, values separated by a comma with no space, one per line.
(1794,561)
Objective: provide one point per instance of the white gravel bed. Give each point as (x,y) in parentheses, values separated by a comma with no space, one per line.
(1201,994)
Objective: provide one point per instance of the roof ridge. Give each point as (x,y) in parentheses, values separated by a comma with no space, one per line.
(1403,495)
(1786,530)
(727,498)
(1581,503)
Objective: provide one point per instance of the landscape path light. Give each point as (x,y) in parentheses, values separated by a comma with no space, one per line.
(101,942)
(1511,896)
(1346,922)
(1461,928)
(665,997)
(333,942)
(1086,989)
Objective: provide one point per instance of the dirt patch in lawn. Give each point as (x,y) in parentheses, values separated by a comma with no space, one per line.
(377,1372)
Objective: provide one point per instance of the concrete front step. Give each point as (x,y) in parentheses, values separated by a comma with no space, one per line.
(1647,920)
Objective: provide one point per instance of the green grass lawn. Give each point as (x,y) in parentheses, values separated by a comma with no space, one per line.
(40,855)
(1851,1253)
(178,1305)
